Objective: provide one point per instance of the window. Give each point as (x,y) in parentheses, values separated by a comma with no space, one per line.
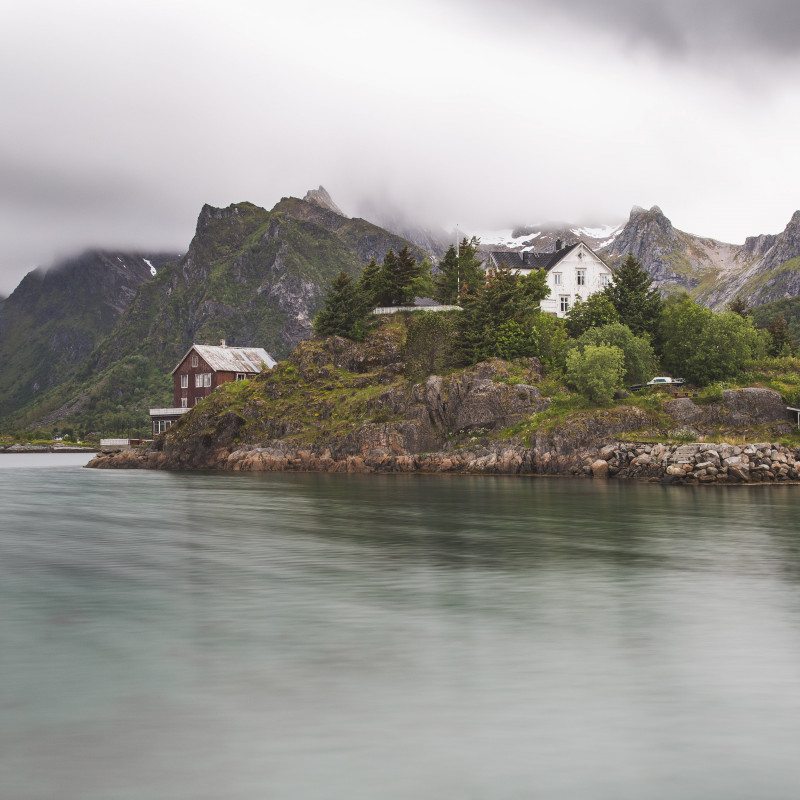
(194,361)
(160,425)
(184,381)
(240,376)
(604,280)
(564,303)
(580,277)
(557,278)
(198,399)
(184,402)
(202,379)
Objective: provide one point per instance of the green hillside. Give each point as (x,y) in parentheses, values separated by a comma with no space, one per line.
(251,277)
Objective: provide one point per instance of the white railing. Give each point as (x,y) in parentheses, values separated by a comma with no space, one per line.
(396,309)
(167,412)
(115,442)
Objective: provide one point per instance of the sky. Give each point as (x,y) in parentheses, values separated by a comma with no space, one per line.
(120,120)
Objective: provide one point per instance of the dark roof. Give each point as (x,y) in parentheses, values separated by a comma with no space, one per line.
(530,259)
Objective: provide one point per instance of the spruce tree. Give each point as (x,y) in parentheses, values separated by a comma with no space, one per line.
(470,268)
(780,339)
(738,306)
(370,282)
(637,302)
(408,271)
(447,281)
(344,309)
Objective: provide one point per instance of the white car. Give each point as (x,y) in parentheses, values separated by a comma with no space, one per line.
(668,381)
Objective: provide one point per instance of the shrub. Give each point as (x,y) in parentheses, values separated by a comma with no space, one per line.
(596,371)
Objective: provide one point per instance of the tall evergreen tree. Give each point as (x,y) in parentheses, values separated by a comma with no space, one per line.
(638,303)
(738,306)
(344,309)
(389,287)
(780,339)
(459,269)
(447,281)
(370,282)
(408,271)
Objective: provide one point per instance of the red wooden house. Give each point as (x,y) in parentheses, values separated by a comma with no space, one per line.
(201,370)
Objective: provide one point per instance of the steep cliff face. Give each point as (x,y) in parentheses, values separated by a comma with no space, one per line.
(774,274)
(56,317)
(763,269)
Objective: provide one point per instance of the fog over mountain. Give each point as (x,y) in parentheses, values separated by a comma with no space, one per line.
(121,120)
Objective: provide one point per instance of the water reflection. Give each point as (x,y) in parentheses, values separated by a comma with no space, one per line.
(305,636)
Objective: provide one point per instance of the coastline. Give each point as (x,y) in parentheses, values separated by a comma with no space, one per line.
(701,463)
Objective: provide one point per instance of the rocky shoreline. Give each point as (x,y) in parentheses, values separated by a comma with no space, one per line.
(46,448)
(341,406)
(697,463)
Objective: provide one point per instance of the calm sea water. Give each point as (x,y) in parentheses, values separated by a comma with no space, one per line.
(324,636)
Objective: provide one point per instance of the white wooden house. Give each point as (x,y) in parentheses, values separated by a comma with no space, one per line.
(573,272)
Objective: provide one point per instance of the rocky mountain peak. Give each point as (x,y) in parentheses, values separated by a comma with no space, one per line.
(320,197)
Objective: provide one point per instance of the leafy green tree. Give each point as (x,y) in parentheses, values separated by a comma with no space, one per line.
(637,302)
(596,371)
(703,346)
(640,360)
(780,339)
(344,309)
(430,337)
(597,310)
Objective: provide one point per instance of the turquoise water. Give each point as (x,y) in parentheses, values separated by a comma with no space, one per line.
(332,636)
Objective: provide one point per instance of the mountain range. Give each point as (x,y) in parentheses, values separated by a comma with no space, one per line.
(91,341)
(764,269)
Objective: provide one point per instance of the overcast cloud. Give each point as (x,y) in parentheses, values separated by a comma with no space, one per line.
(120,120)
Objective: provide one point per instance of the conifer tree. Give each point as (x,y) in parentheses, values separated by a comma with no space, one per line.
(637,302)
(738,306)
(370,282)
(408,271)
(447,281)
(459,269)
(780,339)
(344,309)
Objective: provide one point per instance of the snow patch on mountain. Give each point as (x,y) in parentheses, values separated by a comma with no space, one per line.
(504,238)
(152,268)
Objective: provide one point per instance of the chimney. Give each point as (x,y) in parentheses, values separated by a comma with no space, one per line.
(558,244)
(222,343)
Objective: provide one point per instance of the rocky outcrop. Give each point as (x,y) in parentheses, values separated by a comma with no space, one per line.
(739,408)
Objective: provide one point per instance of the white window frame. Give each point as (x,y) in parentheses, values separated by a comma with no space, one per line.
(184,402)
(198,380)
(198,398)
(564,303)
(603,280)
(185,380)
(241,376)
(194,361)
(580,277)
(556,279)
